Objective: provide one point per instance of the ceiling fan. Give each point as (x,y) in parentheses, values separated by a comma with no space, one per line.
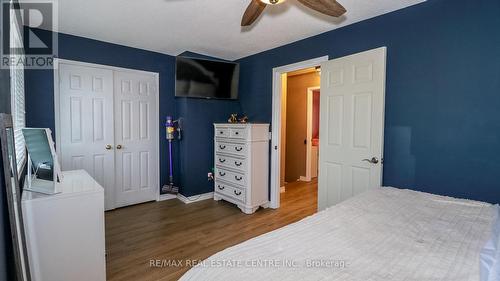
(327,7)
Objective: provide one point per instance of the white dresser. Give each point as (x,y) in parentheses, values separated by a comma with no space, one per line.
(65,231)
(241,165)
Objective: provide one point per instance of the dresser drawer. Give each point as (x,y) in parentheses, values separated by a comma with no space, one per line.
(230,162)
(232,148)
(222,132)
(231,191)
(230,176)
(238,133)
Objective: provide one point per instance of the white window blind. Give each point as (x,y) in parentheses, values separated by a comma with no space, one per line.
(17,92)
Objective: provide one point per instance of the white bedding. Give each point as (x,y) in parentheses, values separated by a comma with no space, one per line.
(382,234)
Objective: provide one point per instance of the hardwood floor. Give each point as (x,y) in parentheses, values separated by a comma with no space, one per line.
(172,230)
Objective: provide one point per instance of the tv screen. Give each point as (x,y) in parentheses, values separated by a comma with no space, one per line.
(200,78)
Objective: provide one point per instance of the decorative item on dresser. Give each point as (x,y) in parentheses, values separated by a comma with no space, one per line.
(241,165)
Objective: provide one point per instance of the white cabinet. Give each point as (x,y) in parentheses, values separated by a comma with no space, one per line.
(242,165)
(65,232)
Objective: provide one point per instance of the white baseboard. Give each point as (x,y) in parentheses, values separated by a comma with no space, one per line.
(164,197)
(282,189)
(304,179)
(195,198)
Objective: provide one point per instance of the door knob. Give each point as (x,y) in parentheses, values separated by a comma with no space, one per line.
(374,160)
(119,146)
(108,146)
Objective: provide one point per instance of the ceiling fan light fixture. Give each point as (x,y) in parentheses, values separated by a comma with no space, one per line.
(272,2)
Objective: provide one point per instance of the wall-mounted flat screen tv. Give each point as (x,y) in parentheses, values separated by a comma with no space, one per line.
(208,79)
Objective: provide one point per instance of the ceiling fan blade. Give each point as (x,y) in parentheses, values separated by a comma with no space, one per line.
(252,12)
(327,7)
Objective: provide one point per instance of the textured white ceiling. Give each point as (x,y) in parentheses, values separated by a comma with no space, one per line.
(210,27)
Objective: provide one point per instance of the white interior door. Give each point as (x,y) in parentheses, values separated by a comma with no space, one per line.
(351,126)
(136,136)
(86,123)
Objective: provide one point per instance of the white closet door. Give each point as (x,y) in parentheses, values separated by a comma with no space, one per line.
(351,126)
(136,136)
(86,124)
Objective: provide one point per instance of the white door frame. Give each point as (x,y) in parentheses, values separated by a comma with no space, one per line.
(57,61)
(309,111)
(276,123)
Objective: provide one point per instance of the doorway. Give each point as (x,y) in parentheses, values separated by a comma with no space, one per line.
(300,127)
(299,134)
(312,145)
(279,128)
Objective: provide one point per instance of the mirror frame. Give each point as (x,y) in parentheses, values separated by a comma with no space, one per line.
(13,193)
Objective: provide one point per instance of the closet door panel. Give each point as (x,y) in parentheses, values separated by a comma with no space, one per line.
(136,137)
(86,136)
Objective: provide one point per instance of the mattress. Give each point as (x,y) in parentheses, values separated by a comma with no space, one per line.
(382,234)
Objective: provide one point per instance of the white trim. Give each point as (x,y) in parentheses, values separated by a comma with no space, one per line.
(309,121)
(305,179)
(276,124)
(195,198)
(164,197)
(57,124)
(282,189)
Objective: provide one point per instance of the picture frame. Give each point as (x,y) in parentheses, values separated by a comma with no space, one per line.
(13,193)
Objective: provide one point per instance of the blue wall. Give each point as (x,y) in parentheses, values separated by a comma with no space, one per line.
(442,130)
(197,148)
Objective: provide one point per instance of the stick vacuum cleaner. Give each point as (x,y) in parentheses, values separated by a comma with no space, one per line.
(173,127)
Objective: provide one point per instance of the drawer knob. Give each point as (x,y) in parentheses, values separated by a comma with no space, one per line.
(238,193)
(222,174)
(238,148)
(236,133)
(238,164)
(222,146)
(221,187)
(221,132)
(222,160)
(238,178)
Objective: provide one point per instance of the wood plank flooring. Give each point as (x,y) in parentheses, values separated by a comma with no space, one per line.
(172,230)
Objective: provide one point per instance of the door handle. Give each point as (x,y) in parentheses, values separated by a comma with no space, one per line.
(108,146)
(374,160)
(119,146)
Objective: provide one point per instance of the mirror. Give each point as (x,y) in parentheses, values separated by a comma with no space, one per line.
(43,167)
(13,197)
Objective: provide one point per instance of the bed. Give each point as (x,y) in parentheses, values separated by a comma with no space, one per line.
(382,234)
